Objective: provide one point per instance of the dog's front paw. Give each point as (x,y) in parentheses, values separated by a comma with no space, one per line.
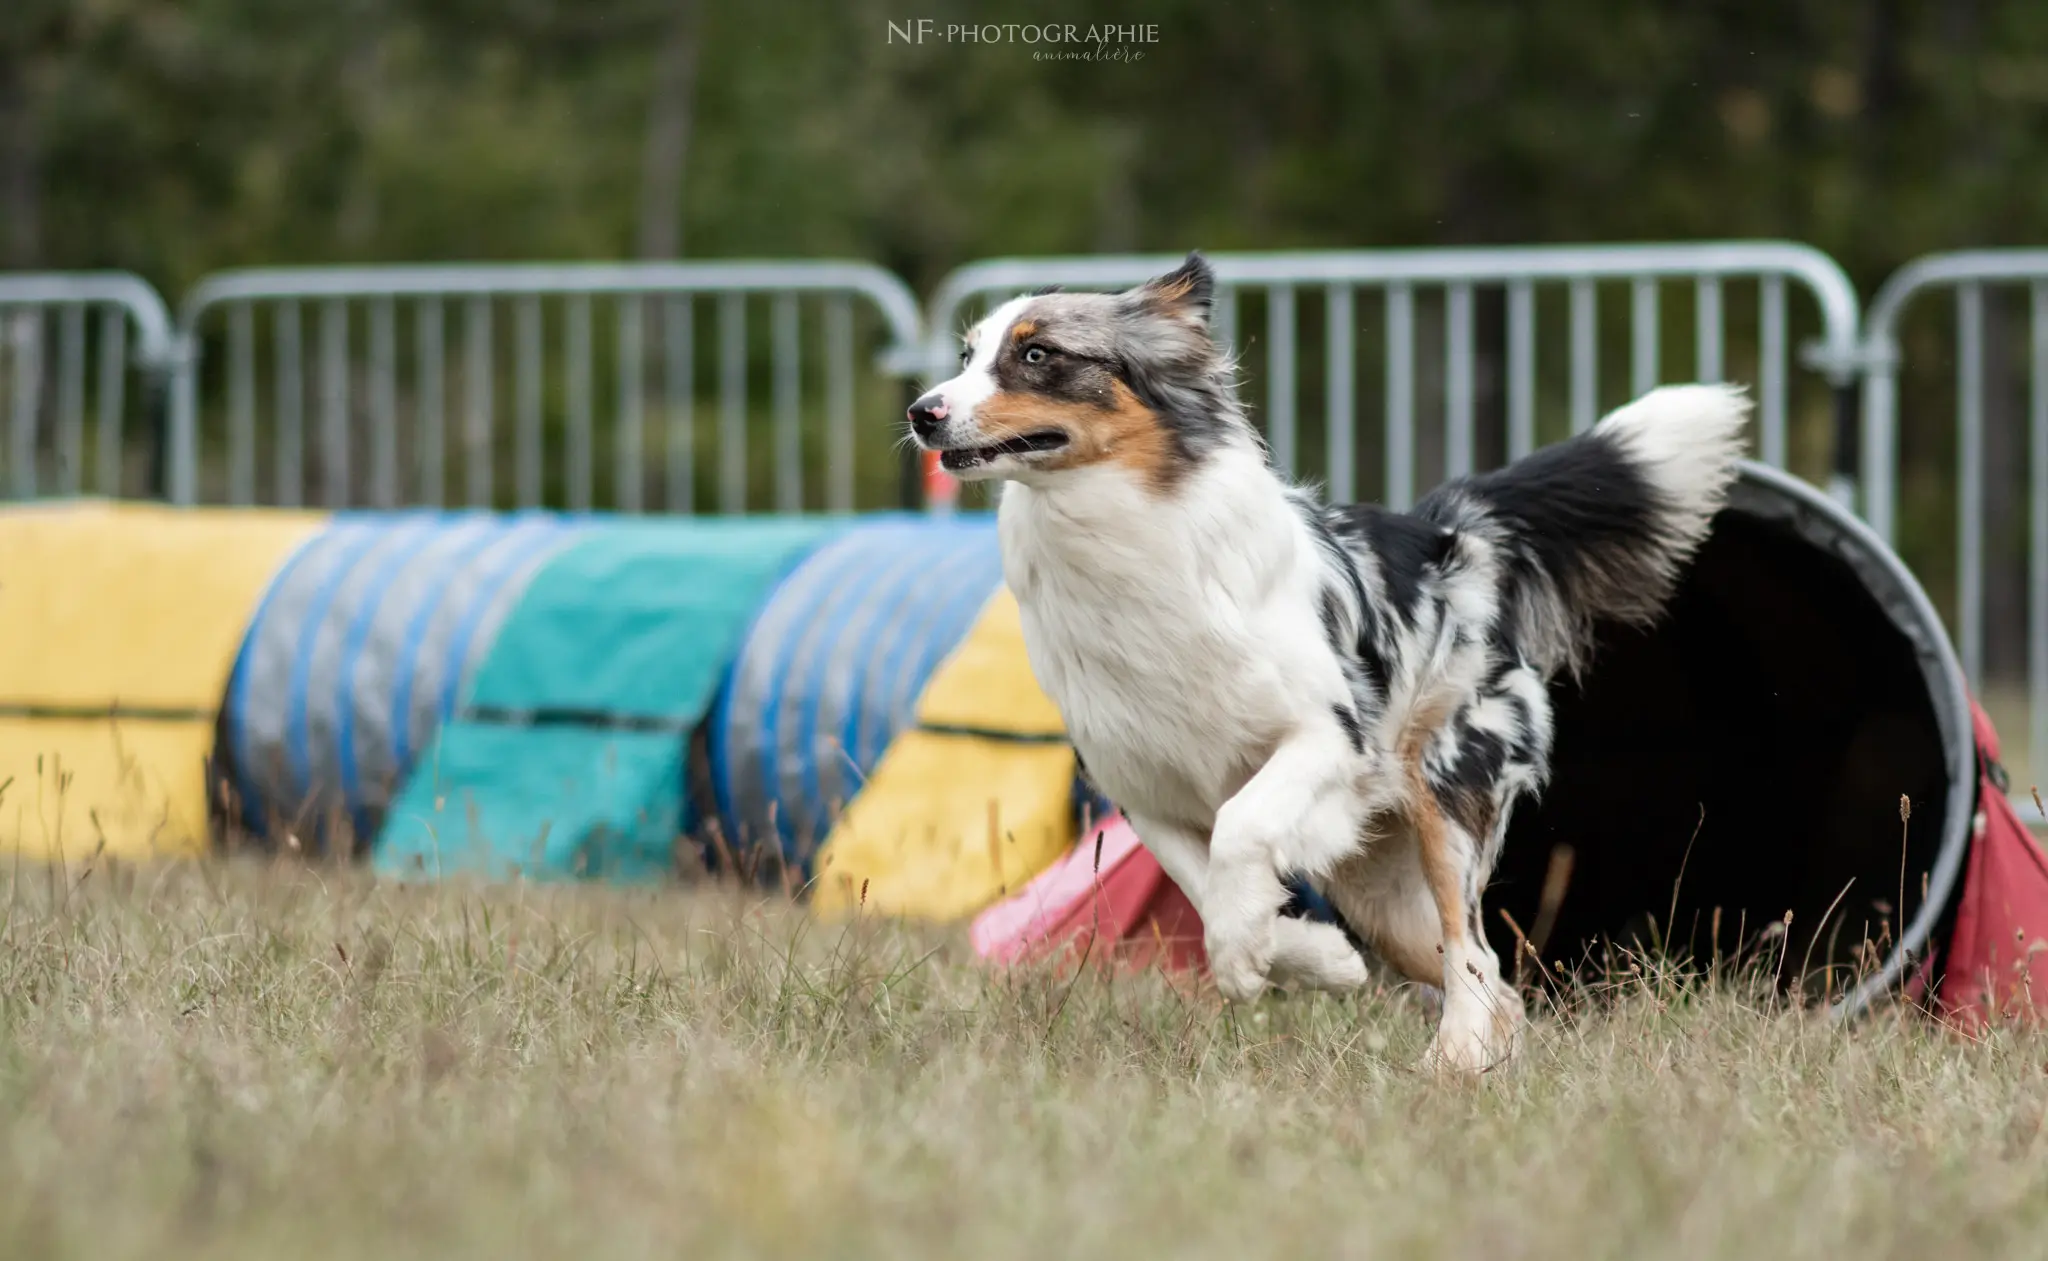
(1240,962)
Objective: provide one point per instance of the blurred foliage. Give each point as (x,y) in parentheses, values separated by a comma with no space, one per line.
(180,136)
(177,137)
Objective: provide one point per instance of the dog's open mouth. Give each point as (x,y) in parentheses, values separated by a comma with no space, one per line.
(963,458)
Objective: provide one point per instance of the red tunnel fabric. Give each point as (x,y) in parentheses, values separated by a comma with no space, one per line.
(1997,967)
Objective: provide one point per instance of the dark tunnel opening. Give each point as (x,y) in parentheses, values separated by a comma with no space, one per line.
(1760,739)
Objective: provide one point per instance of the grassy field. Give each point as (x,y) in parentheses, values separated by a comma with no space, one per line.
(236,1059)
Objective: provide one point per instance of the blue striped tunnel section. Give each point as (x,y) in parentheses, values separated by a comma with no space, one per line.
(832,669)
(359,652)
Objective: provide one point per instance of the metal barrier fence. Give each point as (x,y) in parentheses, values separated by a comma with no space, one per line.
(107,326)
(1968,276)
(1522,277)
(369,385)
(351,385)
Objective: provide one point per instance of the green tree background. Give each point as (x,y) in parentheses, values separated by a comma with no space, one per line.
(177,137)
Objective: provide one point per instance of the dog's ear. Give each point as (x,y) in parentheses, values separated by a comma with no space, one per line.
(1189,290)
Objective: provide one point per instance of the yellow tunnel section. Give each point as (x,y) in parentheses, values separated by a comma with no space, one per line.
(119,626)
(968,804)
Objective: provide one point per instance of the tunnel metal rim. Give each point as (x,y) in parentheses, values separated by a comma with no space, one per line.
(1768,493)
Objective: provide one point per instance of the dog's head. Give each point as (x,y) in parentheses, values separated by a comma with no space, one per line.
(1062,381)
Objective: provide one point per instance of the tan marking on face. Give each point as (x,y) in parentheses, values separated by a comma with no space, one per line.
(1123,432)
(1023,329)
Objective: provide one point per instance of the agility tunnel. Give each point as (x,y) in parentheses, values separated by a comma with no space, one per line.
(493,694)
(549,695)
(1745,760)
(881,736)
(119,624)
(831,670)
(359,651)
(1733,778)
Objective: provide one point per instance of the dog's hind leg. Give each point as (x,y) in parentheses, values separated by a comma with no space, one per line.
(1388,894)
(1482,1016)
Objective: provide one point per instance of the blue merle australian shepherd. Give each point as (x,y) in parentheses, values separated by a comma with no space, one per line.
(1269,686)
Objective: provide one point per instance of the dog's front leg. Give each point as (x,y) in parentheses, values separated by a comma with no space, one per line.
(1300,812)
(1183,854)
(1306,953)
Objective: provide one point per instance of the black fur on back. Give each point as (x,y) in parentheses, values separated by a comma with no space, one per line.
(1583,535)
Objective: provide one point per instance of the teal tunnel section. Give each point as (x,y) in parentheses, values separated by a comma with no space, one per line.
(358,652)
(566,753)
(831,670)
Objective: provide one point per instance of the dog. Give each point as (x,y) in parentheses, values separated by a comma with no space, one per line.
(1269,686)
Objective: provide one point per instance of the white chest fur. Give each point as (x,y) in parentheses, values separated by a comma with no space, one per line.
(1177,633)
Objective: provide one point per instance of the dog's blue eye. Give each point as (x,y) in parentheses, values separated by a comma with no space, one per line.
(965,351)
(1035,354)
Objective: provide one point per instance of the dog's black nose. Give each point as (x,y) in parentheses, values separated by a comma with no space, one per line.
(926,414)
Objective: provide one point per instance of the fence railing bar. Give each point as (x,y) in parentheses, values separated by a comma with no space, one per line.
(1771,362)
(840,445)
(1458,424)
(477,450)
(787,361)
(1585,349)
(287,353)
(1521,368)
(1970,479)
(577,470)
(527,462)
(334,471)
(430,402)
(1880,441)
(71,398)
(732,403)
(23,328)
(383,403)
(679,376)
(1674,260)
(1707,332)
(1400,435)
(1644,337)
(113,380)
(121,289)
(241,404)
(1340,424)
(1225,319)
(628,443)
(890,296)
(1280,376)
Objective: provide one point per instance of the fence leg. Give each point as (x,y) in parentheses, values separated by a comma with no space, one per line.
(910,490)
(166,474)
(1843,477)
